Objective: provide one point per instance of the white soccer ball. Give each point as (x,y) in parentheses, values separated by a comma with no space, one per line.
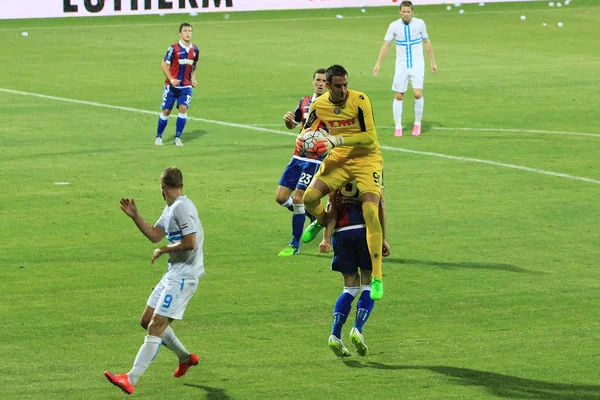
(461,12)
(309,142)
(560,24)
(523,18)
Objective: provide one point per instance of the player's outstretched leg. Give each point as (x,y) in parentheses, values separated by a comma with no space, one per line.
(162,124)
(186,359)
(419,105)
(363,310)
(375,242)
(397,110)
(179,126)
(342,308)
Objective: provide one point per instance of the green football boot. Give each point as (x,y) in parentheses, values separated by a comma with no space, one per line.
(311,232)
(289,251)
(376,288)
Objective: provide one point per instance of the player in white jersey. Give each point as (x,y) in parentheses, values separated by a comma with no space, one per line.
(410,36)
(181,224)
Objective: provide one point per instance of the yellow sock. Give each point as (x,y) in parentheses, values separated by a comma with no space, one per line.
(374,236)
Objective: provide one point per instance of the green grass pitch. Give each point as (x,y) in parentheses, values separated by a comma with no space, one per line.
(492,285)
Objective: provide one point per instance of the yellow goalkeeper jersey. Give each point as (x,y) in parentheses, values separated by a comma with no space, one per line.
(352,119)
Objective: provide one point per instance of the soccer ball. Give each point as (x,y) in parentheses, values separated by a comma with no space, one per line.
(309,142)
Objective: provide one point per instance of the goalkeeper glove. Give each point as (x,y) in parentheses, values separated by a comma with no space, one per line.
(331,141)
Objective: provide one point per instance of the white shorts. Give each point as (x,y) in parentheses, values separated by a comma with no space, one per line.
(402,75)
(171,296)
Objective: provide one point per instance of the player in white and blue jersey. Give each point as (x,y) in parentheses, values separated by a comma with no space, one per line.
(300,170)
(181,224)
(409,34)
(179,67)
(347,232)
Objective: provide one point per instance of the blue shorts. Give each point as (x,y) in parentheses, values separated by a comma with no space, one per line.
(351,251)
(298,174)
(182,95)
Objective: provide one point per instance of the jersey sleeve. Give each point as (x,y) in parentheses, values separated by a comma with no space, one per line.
(298,113)
(169,55)
(162,221)
(197,56)
(424,31)
(312,121)
(389,35)
(364,113)
(183,217)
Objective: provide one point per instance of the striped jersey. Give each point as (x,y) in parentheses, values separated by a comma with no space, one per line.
(178,220)
(182,60)
(300,115)
(409,42)
(348,207)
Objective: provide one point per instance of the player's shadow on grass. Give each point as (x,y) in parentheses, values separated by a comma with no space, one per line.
(190,136)
(505,386)
(462,264)
(211,393)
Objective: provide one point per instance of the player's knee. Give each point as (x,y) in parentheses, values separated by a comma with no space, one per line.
(166,113)
(418,94)
(311,196)
(281,199)
(144,323)
(399,96)
(370,212)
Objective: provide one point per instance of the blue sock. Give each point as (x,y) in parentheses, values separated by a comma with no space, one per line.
(363,308)
(181,119)
(162,124)
(341,311)
(298,223)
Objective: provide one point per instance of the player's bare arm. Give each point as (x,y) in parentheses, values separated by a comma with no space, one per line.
(289,119)
(194,80)
(429,49)
(187,243)
(153,233)
(382,53)
(165,69)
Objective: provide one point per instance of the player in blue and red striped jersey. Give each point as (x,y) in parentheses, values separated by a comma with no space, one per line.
(179,67)
(347,231)
(301,168)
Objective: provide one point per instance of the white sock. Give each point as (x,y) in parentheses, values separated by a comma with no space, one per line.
(397,107)
(419,105)
(144,357)
(299,209)
(288,203)
(172,343)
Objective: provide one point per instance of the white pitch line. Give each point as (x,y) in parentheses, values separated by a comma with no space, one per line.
(257,128)
(444,128)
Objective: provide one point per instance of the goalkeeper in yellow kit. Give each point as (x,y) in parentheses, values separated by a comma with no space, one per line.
(353,155)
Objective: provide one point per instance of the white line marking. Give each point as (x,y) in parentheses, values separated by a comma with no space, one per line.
(444,128)
(257,128)
(300,19)
(62,183)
